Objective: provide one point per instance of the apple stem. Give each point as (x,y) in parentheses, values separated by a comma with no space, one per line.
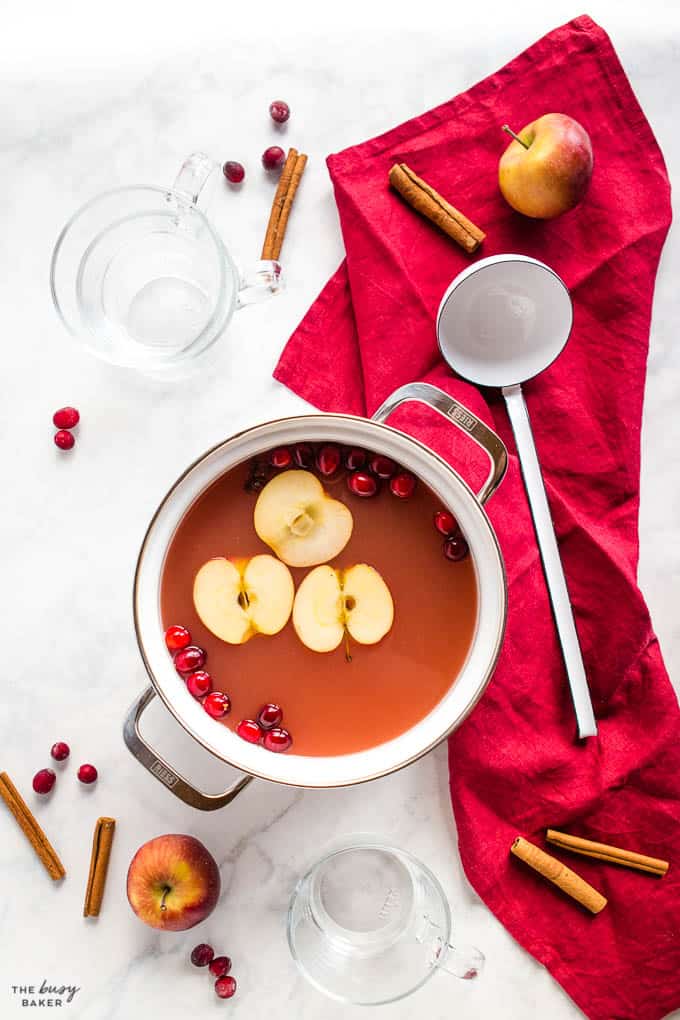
(348,654)
(508,129)
(166,890)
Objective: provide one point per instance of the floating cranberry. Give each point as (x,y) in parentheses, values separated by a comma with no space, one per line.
(177,637)
(220,966)
(225,987)
(217,705)
(403,485)
(273,158)
(87,774)
(189,659)
(328,459)
(362,484)
(233,171)
(43,781)
(355,459)
(277,739)
(202,955)
(249,730)
(445,522)
(64,439)
(269,716)
(66,418)
(199,683)
(455,548)
(382,467)
(303,455)
(60,751)
(279,111)
(281,457)
(258,477)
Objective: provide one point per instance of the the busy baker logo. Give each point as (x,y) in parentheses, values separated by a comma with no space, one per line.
(46,994)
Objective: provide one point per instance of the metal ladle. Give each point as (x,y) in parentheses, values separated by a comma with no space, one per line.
(501,322)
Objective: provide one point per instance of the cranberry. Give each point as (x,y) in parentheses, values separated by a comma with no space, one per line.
(269,716)
(64,439)
(403,485)
(281,457)
(258,477)
(44,780)
(455,548)
(233,171)
(225,987)
(277,739)
(328,459)
(189,659)
(220,966)
(355,458)
(249,730)
(60,751)
(177,637)
(279,111)
(87,774)
(362,484)
(445,522)
(303,455)
(217,704)
(199,683)
(202,955)
(273,157)
(382,467)
(66,418)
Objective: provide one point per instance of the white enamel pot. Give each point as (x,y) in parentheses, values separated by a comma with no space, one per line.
(466,688)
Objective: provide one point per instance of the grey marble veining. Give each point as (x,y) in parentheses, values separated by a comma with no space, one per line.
(72,524)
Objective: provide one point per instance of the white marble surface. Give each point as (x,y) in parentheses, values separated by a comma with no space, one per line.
(91,98)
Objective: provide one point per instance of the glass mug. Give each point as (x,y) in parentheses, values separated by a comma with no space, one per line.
(369,924)
(140,277)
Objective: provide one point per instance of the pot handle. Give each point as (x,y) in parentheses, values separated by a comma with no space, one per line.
(163,772)
(463,419)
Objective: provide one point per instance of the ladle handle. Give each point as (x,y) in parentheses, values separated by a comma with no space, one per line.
(458,414)
(550,555)
(163,771)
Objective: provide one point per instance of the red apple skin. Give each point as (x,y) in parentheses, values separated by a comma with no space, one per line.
(553,174)
(182,866)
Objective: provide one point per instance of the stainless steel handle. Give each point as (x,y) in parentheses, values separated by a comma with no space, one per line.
(465,420)
(552,564)
(163,771)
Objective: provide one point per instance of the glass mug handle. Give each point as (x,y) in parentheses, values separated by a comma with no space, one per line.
(195,185)
(463,961)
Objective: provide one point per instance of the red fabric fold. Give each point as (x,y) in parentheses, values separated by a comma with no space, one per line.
(514,764)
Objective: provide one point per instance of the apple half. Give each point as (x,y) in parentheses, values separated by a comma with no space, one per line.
(332,603)
(297,518)
(236,599)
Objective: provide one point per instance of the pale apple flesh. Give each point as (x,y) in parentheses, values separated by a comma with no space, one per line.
(173,883)
(547,172)
(236,599)
(296,518)
(331,604)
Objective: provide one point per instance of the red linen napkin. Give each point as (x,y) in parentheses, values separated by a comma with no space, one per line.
(514,764)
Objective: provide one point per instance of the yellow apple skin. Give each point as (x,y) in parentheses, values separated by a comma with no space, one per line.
(180,867)
(553,174)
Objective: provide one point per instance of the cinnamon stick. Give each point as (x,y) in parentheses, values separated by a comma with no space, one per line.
(610,854)
(559,874)
(99,864)
(30,828)
(296,177)
(289,180)
(429,203)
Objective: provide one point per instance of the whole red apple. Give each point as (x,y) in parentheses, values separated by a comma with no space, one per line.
(546,169)
(173,882)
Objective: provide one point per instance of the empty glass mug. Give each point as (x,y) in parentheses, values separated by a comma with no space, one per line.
(140,277)
(369,924)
